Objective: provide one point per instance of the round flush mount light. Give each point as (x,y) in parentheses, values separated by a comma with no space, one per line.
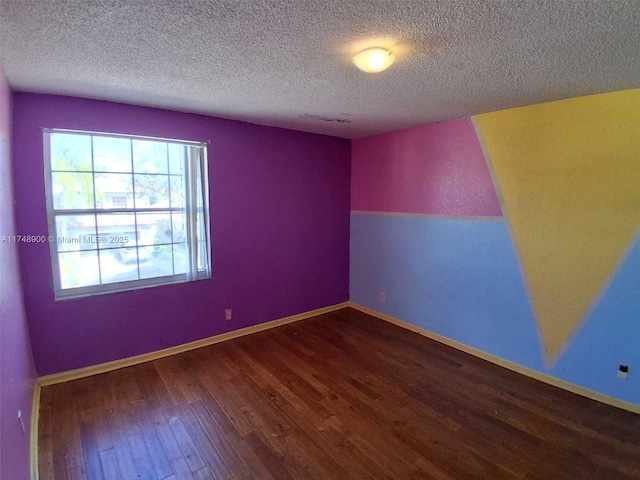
(374,60)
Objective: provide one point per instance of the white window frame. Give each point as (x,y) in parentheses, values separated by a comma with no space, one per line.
(196,166)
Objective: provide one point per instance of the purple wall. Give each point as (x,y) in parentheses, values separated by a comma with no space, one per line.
(279,225)
(17,375)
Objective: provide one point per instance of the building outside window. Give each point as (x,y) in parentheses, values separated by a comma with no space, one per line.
(118,201)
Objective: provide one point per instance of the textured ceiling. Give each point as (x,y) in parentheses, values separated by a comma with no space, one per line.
(287,62)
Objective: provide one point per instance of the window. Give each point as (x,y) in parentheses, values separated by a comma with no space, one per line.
(125,212)
(118,201)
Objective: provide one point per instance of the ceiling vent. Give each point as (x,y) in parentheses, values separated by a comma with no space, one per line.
(322,118)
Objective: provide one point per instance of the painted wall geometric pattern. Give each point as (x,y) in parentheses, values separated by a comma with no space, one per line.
(554,284)
(569,175)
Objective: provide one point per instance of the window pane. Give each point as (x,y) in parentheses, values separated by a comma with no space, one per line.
(154,228)
(75,232)
(119,264)
(176,159)
(160,262)
(114,190)
(70,152)
(202,245)
(150,157)
(111,154)
(181,258)
(151,191)
(79,269)
(177,191)
(117,230)
(72,190)
(179,227)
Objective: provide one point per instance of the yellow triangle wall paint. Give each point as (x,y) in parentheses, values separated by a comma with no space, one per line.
(569,174)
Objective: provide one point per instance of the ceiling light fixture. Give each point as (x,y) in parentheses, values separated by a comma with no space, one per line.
(374,60)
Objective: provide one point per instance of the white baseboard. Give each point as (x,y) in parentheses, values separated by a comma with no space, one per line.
(543,377)
(33,440)
(146,357)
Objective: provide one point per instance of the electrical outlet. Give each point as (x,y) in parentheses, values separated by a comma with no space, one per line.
(623,371)
(21,422)
(383,297)
(228,314)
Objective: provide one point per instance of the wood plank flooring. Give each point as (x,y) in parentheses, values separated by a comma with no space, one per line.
(339,396)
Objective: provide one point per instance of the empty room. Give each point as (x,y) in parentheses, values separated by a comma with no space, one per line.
(319,239)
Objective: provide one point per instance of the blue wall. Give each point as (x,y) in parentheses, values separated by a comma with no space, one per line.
(459,278)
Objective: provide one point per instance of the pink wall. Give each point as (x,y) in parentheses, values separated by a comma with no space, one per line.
(279,226)
(17,375)
(432,169)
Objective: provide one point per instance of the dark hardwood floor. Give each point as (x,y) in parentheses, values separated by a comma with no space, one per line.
(339,396)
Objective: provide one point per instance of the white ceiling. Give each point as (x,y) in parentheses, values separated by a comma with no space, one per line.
(287,63)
